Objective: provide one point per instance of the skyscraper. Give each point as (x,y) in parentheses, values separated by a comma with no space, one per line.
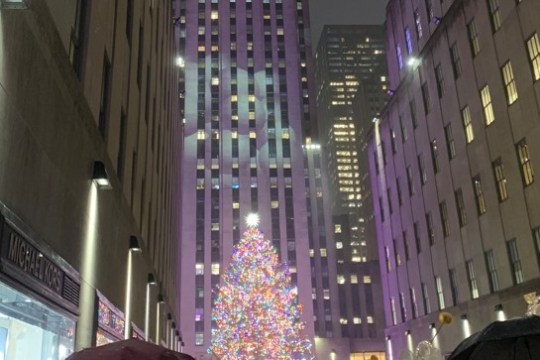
(247,113)
(453,162)
(351,91)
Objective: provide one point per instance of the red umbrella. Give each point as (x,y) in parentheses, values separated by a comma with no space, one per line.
(132,349)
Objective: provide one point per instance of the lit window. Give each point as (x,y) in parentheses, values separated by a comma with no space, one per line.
(495,14)
(326,294)
(500,179)
(527,173)
(487,105)
(467,124)
(370,319)
(533,47)
(215,268)
(356,320)
(440,293)
(354,279)
(199,269)
(473,284)
(509,83)
(199,338)
(341,279)
(367,279)
(343,321)
(323,252)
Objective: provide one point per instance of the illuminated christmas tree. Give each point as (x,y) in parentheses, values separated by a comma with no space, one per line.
(257,312)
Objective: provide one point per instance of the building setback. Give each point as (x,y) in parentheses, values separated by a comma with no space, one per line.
(351,91)
(87,88)
(247,115)
(453,160)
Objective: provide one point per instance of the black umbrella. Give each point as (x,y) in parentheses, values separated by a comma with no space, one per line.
(502,340)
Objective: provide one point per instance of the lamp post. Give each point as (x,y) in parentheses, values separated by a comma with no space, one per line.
(133,247)
(168,330)
(151,281)
(173,340)
(158,318)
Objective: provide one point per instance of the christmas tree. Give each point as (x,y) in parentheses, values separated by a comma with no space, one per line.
(256,311)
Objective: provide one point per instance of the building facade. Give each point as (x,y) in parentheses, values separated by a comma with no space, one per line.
(247,117)
(351,91)
(453,159)
(90,168)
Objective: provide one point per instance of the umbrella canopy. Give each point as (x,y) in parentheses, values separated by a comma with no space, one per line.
(502,340)
(131,349)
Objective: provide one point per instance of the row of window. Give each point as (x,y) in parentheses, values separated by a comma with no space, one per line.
(526,170)
(472,282)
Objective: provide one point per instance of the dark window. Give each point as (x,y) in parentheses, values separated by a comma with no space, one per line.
(456,61)
(444,218)
(429,228)
(105,96)
(492,271)
(120,159)
(425,98)
(479,195)
(460,205)
(473,38)
(450,145)
(422,170)
(454,286)
(439,75)
(515,262)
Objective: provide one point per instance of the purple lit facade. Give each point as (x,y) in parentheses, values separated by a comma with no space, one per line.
(452,163)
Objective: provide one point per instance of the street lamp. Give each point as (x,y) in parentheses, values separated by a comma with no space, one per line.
(14,4)
(134,246)
(151,281)
(160,301)
(100,176)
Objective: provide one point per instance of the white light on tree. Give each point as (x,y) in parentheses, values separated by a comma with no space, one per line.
(252,220)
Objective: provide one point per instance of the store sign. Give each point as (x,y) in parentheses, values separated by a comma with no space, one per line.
(18,256)
(34,263)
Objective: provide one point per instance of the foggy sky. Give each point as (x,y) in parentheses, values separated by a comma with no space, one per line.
(334,12)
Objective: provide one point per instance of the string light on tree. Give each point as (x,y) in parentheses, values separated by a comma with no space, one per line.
(257,313)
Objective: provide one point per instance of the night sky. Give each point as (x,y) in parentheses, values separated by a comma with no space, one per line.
(333,12)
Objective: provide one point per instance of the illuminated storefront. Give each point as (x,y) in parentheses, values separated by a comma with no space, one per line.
(368,356)
(39,297)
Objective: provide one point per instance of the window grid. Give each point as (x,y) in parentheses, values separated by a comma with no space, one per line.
(425,299)
(450,144)
(444,219)
(527,173)
(492,271)
(487,105)
(533,47)
(440,293)
(509,83)
(467,124)
(479,196)
(473,284)
(536,237)
(418,24)
(500,180)
(456,61)
(439,75)
(429,228)
(495,14)
(454,286)
(473,38)
(515,262)
(460,205)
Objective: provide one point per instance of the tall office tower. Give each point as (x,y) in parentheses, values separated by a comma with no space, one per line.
(90,169)
(453,160)
(247,113)
(351,90)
